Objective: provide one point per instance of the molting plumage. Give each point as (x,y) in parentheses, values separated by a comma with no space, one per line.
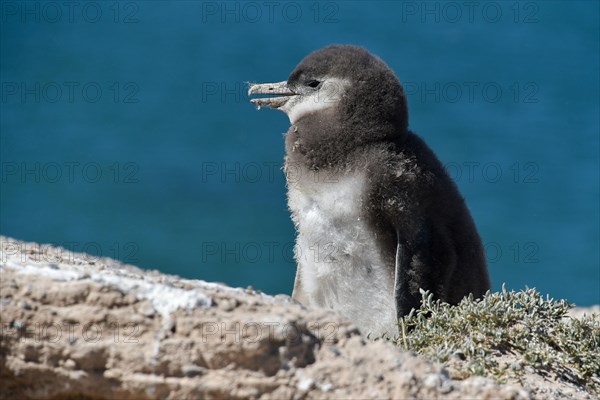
(377,216)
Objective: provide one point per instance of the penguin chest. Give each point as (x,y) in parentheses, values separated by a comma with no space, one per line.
(339,264)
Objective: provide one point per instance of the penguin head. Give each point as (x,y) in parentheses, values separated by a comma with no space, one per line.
(338,98)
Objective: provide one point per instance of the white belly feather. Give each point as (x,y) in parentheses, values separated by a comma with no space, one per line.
(339,265)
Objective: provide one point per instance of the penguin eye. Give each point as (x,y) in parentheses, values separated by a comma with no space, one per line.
(312,83)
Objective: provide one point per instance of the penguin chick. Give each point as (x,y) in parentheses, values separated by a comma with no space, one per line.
(377,216)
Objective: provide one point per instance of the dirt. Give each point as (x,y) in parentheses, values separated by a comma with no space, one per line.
(73,326)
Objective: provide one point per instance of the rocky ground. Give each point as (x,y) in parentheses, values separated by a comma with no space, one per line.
(73,326)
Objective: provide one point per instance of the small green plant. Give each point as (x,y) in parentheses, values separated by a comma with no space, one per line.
(476,336)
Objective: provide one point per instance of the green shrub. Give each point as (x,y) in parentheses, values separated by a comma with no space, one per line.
(477,337)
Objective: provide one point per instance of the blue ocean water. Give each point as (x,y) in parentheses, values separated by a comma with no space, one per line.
(126,131)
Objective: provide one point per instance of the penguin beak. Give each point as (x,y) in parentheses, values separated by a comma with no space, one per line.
(279,88)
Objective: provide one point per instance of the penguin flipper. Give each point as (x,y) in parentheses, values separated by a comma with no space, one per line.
(409,274)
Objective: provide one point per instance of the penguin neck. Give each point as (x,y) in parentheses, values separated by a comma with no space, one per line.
(316,146)
(315,150)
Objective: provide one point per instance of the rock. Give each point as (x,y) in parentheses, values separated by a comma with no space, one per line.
(432,380)
(76,326)
(192,370)
(516,366)
(580,312)
(305,384)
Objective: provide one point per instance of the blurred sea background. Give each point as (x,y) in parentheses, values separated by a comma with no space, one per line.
(126,130)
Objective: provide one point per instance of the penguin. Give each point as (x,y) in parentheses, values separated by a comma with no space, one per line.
(376,214)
